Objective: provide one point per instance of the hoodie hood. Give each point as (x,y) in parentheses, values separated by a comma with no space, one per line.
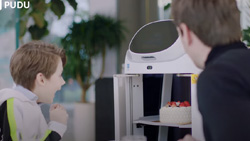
(8,93)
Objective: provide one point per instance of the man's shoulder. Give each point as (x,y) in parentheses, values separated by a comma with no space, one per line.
(231,66)
(218,70)
(232,61)
(238,56)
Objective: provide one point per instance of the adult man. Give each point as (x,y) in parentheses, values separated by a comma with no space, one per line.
(210,32)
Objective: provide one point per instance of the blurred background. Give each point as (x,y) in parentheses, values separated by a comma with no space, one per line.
(95,35)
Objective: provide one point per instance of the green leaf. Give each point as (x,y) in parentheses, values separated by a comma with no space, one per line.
(40,6)
(23,12)
(73,4)
(58,8)
(246,35)
(33,2)
(22,28)
(38,18)
(37,33)
(166,7)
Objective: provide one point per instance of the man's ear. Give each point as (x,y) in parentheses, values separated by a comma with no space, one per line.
(180,32)
(185,33)
(40,79)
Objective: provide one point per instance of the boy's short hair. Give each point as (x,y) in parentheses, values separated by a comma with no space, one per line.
(33,58)
(215,22)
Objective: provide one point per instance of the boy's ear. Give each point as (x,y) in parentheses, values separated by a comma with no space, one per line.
(40,79)
(185,33)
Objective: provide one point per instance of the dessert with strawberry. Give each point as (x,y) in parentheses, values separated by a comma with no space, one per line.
(176,113)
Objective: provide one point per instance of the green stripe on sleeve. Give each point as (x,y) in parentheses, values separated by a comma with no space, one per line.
(46,135)
(11,119)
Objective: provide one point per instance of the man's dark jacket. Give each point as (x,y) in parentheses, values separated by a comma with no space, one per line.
(223,91)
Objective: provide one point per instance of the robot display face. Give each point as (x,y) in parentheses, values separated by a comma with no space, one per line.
(154,37)
(157,41)
(157,48)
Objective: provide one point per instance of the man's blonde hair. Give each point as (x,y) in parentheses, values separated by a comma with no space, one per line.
(215,22)
(33,58)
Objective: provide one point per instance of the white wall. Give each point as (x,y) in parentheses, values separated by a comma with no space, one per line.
(244,7)
(7,48)
(104,7)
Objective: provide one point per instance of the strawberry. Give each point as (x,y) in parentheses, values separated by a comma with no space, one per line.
(173,104)
(187,104)
(182,105)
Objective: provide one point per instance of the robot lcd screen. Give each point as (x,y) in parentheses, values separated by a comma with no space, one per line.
(154,38)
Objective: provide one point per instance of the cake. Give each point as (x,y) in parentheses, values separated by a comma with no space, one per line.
(176,113)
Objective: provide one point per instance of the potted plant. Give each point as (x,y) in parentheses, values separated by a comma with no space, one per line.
(37,12)
(246,36)
(245,18)
(84,41)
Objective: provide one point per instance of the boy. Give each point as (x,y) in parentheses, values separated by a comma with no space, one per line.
(36,69)
(211,35)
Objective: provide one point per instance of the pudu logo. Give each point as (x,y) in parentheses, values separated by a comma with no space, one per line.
(14,4)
